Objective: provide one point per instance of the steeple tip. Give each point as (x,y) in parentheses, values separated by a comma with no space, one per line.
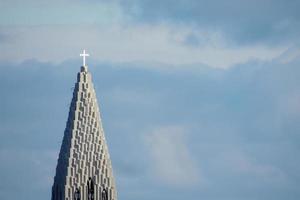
(83,55)
(84,68)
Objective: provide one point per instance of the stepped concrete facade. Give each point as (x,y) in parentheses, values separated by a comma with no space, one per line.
(84,170)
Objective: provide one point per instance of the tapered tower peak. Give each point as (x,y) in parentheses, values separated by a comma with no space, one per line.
(84,170)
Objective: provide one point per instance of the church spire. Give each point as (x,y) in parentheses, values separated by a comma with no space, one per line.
(84,170)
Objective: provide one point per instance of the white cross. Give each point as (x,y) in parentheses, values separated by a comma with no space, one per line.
(84,55)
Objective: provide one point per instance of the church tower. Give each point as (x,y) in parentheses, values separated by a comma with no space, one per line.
(84,170)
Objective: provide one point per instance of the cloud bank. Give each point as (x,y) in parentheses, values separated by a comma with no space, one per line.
(200,100)
(172,161)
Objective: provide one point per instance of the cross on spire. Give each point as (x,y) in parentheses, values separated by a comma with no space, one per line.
(84,55)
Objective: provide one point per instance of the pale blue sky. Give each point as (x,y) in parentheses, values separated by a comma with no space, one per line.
(199,99)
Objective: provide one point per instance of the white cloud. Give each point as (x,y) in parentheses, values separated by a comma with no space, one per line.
(128,44)
(170,157)
(290,55)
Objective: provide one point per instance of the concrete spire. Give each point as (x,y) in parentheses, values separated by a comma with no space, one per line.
(84,166)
